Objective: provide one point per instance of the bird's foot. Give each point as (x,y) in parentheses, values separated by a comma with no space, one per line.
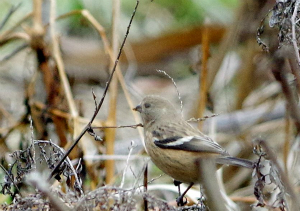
(181,201)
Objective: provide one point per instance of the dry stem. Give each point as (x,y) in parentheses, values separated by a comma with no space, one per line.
(61,69)
(88,126)
(110,133)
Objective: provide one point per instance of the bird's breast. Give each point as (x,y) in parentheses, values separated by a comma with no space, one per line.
(179,164)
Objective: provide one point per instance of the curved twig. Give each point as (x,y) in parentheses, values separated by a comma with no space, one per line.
(88,126)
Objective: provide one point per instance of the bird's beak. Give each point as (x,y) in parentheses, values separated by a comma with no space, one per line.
(138,108)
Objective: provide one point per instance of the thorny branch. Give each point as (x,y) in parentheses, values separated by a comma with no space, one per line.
(88,126)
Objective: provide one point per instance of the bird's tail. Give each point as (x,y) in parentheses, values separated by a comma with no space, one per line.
(235,162)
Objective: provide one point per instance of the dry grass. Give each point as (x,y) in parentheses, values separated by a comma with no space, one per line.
(51,169)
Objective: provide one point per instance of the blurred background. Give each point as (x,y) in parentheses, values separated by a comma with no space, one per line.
(54,56)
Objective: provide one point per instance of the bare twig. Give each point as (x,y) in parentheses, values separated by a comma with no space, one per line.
(127,163)
(95,97)
(178,93)
(9,14)
(129,101)
(145,188)
(61,69)
(6,33)
(10,178)
(110,133)
(122,126)
(14,36)
(87,127)
(67,159)
(137,178)
(201,119)
(14,52)
(108,50)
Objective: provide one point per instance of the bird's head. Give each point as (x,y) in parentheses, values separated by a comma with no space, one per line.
(153,108)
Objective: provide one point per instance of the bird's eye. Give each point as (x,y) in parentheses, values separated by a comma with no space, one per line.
(147,105)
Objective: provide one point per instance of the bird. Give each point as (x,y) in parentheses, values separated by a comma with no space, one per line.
(174,145)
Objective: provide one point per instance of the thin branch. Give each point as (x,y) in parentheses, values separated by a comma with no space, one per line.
(145,188)
(122,126)
(116,63)
(108,50)
(178,93)
(202,119)
(132,146)
(68,161)
(87,127)
(15,36)
(14,52)
(9,14)
(59,62)
(11,179)
(7,32)
(110,133)
(61,69)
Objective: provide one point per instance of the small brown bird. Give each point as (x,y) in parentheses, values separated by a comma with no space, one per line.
(174,145)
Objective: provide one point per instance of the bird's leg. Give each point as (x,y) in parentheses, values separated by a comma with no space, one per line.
(177,183)
(179,200)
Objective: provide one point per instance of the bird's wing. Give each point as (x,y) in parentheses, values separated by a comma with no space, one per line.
(185,137)
(190,143)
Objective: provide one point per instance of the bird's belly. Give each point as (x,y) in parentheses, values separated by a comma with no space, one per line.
(178,164)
